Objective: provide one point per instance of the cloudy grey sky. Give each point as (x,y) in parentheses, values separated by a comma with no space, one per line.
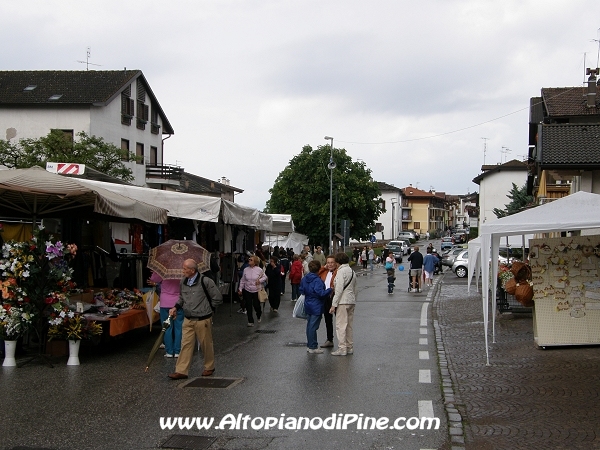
(410,88)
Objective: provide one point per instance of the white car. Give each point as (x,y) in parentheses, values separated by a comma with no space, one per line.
(403,244)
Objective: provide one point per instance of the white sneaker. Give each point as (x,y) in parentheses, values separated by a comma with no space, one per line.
(168,355)
(339,352)
(350,351)
(176,355)
(315,350)
(250,324)
(161,346)
(259,320)
(327,344)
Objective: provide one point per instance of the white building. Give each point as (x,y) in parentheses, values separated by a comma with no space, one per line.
(391,218)
(118,106)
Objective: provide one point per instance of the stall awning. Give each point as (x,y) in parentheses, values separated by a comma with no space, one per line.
(178,204)
(282,223)
(37,193)
(235,214)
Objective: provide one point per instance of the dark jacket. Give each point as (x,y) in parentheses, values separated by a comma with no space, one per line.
(274,276)
(315,294)
(193,299)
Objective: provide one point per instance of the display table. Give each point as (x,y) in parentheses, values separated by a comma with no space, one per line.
(125,321)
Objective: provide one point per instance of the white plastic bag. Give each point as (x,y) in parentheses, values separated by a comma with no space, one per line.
(299,312)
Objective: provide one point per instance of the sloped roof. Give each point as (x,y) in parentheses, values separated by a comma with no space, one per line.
(413,192)
(194,184)
(75,87)
(568,101)
(512,165)
(570,145)
(386,187)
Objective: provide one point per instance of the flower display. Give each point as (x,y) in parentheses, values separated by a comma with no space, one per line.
(68,325)
(14,321)
(504,274)
(35,274)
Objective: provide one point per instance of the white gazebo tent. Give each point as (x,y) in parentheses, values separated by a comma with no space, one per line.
(579,211)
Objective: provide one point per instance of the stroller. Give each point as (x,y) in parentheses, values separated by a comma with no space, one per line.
(410,283)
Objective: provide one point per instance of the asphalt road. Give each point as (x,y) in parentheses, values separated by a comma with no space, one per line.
(109,402)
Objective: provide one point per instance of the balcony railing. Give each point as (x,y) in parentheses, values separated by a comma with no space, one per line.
(164,172)
(407,218)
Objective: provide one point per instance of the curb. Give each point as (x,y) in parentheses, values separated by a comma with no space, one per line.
(455,420)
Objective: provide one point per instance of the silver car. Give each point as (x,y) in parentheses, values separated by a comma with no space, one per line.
(449,256)
(461,264)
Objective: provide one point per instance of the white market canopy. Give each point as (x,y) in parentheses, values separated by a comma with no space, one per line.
(178,204)
(235,214)
(578,211)
(37,193)
(282,223)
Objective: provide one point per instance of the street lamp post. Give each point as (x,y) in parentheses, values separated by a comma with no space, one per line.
(393,200)
(331,166)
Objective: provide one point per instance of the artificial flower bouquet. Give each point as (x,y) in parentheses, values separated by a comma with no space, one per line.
(68,325)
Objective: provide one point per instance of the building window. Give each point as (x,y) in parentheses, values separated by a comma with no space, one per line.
(127,105)
(153,156)
(125,148)
(142,115)
(154,126)
(417,225)
(139,152)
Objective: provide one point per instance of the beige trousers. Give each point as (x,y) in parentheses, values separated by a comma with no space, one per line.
(344,318)
(192,330)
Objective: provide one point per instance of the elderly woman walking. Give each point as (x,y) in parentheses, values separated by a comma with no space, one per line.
(250,284)
(343,303)
(313,289)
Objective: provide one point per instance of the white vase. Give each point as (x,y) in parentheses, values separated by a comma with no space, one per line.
(73,353)
(9,354)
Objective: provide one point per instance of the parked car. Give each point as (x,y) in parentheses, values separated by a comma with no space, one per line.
(446,243)
(450,255)
(396,250)
(461,264)
(404,243)
(460,237)
(412,237)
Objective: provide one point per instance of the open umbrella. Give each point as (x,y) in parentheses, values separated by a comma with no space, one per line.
(167,259)
(165,326)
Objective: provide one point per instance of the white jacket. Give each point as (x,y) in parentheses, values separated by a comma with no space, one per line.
(344,296)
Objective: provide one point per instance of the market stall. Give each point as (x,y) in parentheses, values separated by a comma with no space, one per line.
(579,211)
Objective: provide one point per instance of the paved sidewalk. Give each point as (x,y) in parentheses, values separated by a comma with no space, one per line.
(527,398)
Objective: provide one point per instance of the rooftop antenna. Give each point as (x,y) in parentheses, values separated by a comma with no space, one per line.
(484,148)
(598,54)
(87,60)
(505,151)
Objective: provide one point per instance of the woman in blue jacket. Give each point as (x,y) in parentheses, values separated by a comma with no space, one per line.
(313,289)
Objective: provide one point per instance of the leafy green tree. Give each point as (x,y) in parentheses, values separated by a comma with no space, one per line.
(302,190)
(58,147)
(519,202)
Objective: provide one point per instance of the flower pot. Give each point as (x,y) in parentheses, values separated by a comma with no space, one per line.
(9,354)
(73,353)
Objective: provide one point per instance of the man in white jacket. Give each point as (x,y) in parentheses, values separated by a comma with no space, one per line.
(344,300)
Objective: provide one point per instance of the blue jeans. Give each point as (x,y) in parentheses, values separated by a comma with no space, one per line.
(172,339)
(371,264)
(312,325)
(295,291)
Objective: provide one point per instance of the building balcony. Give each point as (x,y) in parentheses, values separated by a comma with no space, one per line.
(164,174)
(407,218)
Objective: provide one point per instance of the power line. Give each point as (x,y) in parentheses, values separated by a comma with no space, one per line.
(457,130)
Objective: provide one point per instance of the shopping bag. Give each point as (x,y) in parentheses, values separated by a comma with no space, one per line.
(262,295)
(299,312)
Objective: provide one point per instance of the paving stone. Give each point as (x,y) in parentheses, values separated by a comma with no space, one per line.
(526,398)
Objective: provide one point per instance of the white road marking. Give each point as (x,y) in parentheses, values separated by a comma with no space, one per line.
(424,314)
(422,341)
(425,408)
(423,330)
(424,376)
(423,354)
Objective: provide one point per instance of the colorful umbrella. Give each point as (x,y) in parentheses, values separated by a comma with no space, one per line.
(167,259)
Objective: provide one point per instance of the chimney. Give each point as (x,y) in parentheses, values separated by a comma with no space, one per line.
(591,90)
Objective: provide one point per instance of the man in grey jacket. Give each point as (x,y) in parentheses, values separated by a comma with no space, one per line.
(198,295)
